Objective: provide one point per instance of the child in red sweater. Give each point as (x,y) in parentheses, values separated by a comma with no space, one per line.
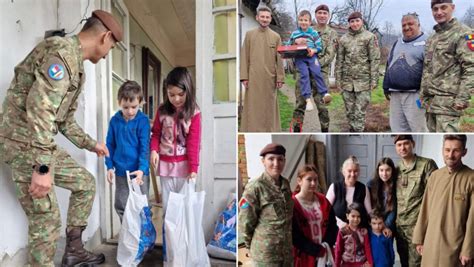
(352,244)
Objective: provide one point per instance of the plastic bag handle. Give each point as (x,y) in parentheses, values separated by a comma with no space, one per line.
(133,186)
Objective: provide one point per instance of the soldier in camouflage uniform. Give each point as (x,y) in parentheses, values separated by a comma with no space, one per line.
(413,173)
(325,58)
(448,72)
(358,58)
(265,213)
(41,101)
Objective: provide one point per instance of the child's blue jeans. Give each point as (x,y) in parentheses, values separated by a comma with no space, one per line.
(306,66)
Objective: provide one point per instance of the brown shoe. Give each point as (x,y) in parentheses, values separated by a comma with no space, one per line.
(75,254)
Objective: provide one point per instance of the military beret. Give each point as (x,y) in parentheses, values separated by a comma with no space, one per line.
(110,23)
(401,137)
(273,148)
(322,7)
(355,15)
(434,2)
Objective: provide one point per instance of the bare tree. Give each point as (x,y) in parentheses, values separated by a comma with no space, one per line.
(369,9)
(468,17)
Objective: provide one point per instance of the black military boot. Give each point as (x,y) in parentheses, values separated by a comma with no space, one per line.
(75,254)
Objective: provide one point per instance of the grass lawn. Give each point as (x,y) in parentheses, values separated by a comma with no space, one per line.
(286,111)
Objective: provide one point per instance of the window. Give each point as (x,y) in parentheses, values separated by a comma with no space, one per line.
(224,57)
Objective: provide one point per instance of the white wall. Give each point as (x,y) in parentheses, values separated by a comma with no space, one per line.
(24,23)
(432,148)
(248,21)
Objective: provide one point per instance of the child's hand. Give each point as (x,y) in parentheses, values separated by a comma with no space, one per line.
(110,176)
(138,176)
(192,175)
(387,232)
(367,264)
(327,98)
(311,52)
(154,159)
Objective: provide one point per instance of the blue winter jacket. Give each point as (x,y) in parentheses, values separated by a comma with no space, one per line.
(128,144)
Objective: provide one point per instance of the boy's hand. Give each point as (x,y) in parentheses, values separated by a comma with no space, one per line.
(327,98)
(138,176)
(110,176)
(192,175)
(154,159)
(300,41)
(387,232)
(311,52)
(101,150)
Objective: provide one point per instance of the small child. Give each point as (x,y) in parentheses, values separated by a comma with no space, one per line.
(176,134)
(128,141)
(381,246)
(352,244)
(308,65)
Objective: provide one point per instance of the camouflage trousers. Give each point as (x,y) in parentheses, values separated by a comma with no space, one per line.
(356,104)
(442,123)
(299,112)
(406,250)
(44,220)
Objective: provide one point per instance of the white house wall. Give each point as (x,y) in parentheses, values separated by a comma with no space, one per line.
(432,148)
(24,23)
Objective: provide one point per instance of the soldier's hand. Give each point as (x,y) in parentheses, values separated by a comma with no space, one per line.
(245,83)
(419,249)
(40,184)
(459,106)
(387,232)
(101,150)
(387,96)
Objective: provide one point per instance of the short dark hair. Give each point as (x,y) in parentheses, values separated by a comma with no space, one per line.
(129,91)
(304,13)
(263,8)
(355,206)
(460,137)
(375,214)
(93,23)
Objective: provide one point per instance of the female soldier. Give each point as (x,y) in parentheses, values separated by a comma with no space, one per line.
(358,58)
(265,212)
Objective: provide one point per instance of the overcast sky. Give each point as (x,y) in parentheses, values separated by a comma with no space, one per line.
(392,10)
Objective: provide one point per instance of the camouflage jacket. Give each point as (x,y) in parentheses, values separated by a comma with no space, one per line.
(42,98)
(411,183)
(448,68)
(329,38)
(265,218)
(357,61)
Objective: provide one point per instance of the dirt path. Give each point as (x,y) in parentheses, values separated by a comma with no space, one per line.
(377,120)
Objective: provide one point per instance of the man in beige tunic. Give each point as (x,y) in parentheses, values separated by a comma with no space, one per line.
(261,73)
(444,232)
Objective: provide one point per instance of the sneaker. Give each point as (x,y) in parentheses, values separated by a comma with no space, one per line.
(309,104)
(327,98)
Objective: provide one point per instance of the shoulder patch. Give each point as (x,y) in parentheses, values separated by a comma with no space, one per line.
(470,42)
(469,36)
(56,71)
(243,203)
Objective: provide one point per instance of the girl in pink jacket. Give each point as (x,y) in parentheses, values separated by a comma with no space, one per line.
(176,134)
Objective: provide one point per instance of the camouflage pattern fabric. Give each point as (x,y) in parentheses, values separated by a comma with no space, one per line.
(448,71)
(265,220)
(409,257)
(43,214)
(325,58)
(39,103)
(357,61)
(411,183)
(442,123)
(356,104)
(272,264)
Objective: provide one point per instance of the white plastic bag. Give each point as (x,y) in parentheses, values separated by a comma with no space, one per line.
(185,245)
(327,260)
(137,234)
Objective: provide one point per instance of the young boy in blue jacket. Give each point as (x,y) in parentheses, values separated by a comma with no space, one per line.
(128,141)
(309,65)
(380,245)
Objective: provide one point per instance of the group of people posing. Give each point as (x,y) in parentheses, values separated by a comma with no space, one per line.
(429,211)
(428,80)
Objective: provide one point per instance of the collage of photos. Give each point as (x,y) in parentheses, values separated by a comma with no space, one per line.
(228,133)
